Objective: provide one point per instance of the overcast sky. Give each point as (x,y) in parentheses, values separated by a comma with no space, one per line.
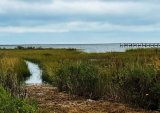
(79,21)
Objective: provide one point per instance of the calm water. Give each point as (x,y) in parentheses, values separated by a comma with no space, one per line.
(112,47)
(36,73)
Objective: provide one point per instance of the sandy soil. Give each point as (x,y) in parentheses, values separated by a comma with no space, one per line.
(51,101)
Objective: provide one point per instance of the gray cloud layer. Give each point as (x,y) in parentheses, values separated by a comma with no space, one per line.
(78,15)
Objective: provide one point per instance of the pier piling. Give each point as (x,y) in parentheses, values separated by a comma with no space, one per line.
(139,44)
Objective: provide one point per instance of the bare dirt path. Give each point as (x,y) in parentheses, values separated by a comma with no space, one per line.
(51,101)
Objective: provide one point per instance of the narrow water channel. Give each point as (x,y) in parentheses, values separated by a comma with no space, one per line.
(36,74)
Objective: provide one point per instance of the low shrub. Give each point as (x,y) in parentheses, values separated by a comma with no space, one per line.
(9,104)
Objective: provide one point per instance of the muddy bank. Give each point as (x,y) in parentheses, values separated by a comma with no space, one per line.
(51,101)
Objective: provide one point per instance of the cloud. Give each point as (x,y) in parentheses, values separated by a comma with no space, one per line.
(21,16)
(40,12)
(79,26)
(70,19)
(54,7)
(14,29)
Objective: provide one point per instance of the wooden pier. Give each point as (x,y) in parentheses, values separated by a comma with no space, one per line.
(139,44)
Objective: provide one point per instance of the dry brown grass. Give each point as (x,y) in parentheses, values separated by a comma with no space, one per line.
(52,101)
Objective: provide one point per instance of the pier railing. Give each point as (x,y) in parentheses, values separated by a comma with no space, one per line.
(139,44)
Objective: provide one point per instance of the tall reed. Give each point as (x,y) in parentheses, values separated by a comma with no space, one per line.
(13,71)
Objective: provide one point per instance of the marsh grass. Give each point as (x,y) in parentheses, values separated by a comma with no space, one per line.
(13,72)
(139,86)
(79,79)
(132,77)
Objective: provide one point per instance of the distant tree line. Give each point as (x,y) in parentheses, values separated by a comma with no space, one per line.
(21,47)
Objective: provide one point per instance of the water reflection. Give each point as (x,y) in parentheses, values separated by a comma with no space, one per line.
(36,74)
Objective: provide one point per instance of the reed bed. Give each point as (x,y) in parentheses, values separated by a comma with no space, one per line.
(132,77)
(13,72)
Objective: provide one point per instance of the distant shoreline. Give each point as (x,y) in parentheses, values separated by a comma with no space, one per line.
(89,48)
(82,44)
(58,44)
